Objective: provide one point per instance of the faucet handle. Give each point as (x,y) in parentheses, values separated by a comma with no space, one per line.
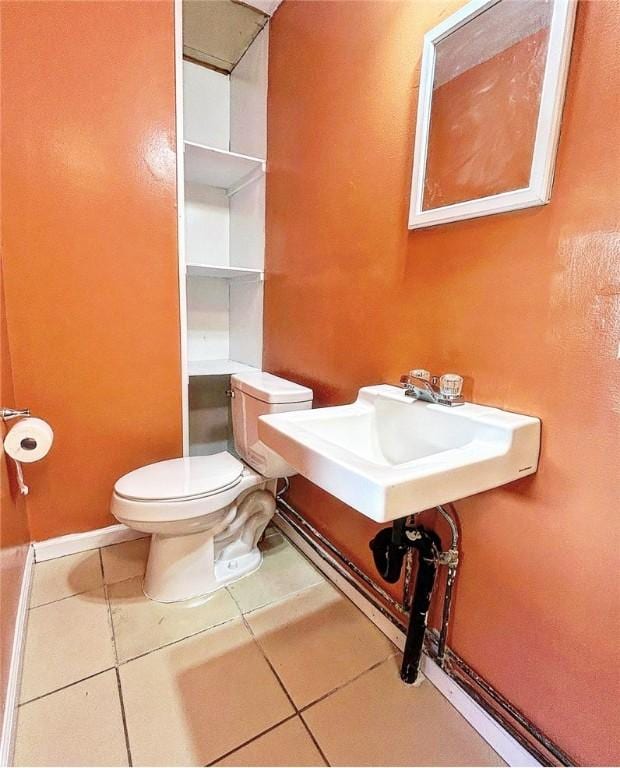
(451,385)
(420,373)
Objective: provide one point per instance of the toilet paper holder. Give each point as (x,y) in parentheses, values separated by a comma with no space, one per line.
(6,414)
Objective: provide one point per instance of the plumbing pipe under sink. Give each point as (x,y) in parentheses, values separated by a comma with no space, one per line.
(391,547)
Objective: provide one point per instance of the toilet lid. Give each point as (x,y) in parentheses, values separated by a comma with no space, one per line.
(175,479)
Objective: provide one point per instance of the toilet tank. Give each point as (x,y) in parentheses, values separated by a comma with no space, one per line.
(255,394)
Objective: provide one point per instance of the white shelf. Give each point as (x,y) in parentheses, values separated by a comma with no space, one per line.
(209,270)
(217,367)
(219,168)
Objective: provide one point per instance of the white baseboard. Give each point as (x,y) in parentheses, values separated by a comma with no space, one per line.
(80,542)
(7,740)
(491,731)
(507,747)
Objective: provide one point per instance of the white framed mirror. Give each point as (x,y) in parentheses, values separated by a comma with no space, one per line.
(492,88)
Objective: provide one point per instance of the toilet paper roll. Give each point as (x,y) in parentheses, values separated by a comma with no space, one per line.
(29,440)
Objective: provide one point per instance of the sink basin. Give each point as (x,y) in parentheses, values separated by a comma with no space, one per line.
(389,456)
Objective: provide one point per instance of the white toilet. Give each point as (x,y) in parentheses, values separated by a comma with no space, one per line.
(206,514)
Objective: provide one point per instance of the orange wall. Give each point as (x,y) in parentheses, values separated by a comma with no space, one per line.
(526,305)
(89,238)
(14,533)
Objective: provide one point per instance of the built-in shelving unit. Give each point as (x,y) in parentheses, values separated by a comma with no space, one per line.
(230,273)
(221,149)
(217,367)
(220,168)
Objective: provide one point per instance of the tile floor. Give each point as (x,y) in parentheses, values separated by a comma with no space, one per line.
(278,669)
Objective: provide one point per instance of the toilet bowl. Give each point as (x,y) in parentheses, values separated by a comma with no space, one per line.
(206,514)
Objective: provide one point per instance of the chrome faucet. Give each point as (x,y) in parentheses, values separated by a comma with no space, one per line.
(443,390)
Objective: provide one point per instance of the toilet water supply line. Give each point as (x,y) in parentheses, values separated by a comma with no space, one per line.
(431,552)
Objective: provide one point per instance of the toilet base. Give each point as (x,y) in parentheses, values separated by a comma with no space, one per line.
(226,572)
(184,566)
(168,582)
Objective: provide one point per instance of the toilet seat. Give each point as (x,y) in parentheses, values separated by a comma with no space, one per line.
(185,479)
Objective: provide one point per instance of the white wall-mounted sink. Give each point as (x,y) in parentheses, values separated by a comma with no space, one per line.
(389,456)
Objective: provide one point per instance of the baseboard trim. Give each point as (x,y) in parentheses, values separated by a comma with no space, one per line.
(7,740)
(81,542)
(491,731)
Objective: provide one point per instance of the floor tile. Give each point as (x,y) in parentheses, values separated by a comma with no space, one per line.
(80,725)
(322,627)
(378,720)
(65,642)
(283,571)
(288,744)
(141,625)
(193,701)
(125,560)
(65,576)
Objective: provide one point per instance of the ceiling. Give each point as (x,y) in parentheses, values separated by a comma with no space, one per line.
(217,33)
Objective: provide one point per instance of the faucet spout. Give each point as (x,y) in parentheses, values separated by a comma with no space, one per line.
(418,388)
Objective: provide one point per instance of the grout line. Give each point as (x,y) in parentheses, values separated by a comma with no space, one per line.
(278,600)
(104,583)
(264,655)
(109,607)
(101,566)
(66,597)
(39,544)
(175,642)
(82,592)
(127,541)
(333,690)
(323,696)
(314,739)
(292,594)
(61,557)
(64,687)
(124,717)
(249,741)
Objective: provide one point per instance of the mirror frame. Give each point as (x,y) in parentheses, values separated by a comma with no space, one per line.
(538,192)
